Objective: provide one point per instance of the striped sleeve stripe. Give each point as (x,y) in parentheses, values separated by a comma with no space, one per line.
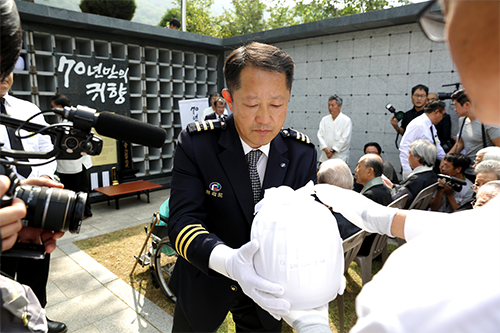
(184,240)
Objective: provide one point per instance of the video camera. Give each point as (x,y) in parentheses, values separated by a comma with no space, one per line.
(443,96)
(398,114)
(47,208)
(57,209)
(455,183)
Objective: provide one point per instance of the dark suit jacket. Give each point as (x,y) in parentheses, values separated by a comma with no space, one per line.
(381,195)
(212,115)
(413,185)
(211,203)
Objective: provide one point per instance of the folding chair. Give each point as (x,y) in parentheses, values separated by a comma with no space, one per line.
(351,247)
(379,247)
(421,202)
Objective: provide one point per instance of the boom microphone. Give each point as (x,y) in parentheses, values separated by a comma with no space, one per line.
(114,126)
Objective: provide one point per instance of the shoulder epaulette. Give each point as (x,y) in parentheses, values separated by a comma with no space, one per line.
(206,125)
(291,133)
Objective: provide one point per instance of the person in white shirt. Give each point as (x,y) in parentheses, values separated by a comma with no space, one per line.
(211,108)
(422,127)
(220,110)
(21,109)
(435,274)
(334,134)
(31,272)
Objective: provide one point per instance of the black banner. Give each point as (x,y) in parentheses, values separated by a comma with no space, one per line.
(101,84)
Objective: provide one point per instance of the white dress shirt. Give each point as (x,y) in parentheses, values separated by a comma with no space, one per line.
(335,134)
(436,278)
(419,128)
(20,109)
(262,163)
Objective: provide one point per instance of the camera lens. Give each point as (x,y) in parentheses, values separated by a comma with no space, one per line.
(53,208)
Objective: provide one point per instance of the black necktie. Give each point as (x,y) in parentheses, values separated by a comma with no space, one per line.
(433,137)
(16,144)
(252,159)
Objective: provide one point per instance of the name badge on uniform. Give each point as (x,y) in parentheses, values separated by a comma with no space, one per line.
(214,190)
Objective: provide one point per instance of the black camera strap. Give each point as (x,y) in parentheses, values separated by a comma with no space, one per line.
(483,132)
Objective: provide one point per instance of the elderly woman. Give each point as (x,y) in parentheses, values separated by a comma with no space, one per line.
(421,156)
(488,153)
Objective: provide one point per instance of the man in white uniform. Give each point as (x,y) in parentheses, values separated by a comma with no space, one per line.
(334,134)
(435,275)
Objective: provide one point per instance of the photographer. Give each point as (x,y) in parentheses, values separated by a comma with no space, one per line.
(447,198)
(419,100)
(33,273)
(473,135)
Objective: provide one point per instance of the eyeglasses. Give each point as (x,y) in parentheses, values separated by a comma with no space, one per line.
(431,20)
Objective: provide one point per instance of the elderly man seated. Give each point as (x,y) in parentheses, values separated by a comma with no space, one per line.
(448,199)
(421,158)
(368,173)
(486,172)
(487,192)
(336,172)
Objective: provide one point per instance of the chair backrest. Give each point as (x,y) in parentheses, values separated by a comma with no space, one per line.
(424,197)
(351,247)
(399,202)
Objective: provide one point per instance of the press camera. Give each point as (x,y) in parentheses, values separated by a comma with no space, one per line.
(455,183)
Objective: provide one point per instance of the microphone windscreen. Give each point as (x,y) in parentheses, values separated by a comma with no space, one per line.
(129,129)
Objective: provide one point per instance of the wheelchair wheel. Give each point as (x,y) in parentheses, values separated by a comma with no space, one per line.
(165,259)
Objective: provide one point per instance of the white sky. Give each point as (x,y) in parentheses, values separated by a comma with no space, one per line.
(218,5)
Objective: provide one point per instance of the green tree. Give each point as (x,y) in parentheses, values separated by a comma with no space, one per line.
(245,17)
(198,18)
(280,15)
(122,9)
(169,15)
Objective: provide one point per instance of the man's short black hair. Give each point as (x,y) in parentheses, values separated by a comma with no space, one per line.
(175,22)
(420,86)
(61,100)
(375,162)
(10,27)
(458,160)
(260,56)
(435,105)
(460,96)
(374,144)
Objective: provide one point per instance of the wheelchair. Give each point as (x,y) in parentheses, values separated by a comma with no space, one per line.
(158,253)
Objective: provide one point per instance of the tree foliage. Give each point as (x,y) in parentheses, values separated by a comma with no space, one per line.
(122,9)
(247,16)
(198,18)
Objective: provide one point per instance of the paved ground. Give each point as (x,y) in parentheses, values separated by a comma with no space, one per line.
(86,296)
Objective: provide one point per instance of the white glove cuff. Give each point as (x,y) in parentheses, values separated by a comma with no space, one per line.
(218,257)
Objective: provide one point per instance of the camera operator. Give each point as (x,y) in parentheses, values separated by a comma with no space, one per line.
(473,135)
(447,198)
(419,100)
(33,273)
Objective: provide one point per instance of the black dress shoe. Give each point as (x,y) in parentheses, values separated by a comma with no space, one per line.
(56,327)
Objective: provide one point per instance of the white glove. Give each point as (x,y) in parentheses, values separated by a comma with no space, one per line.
(358,209)
(312,320)
(239,267)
